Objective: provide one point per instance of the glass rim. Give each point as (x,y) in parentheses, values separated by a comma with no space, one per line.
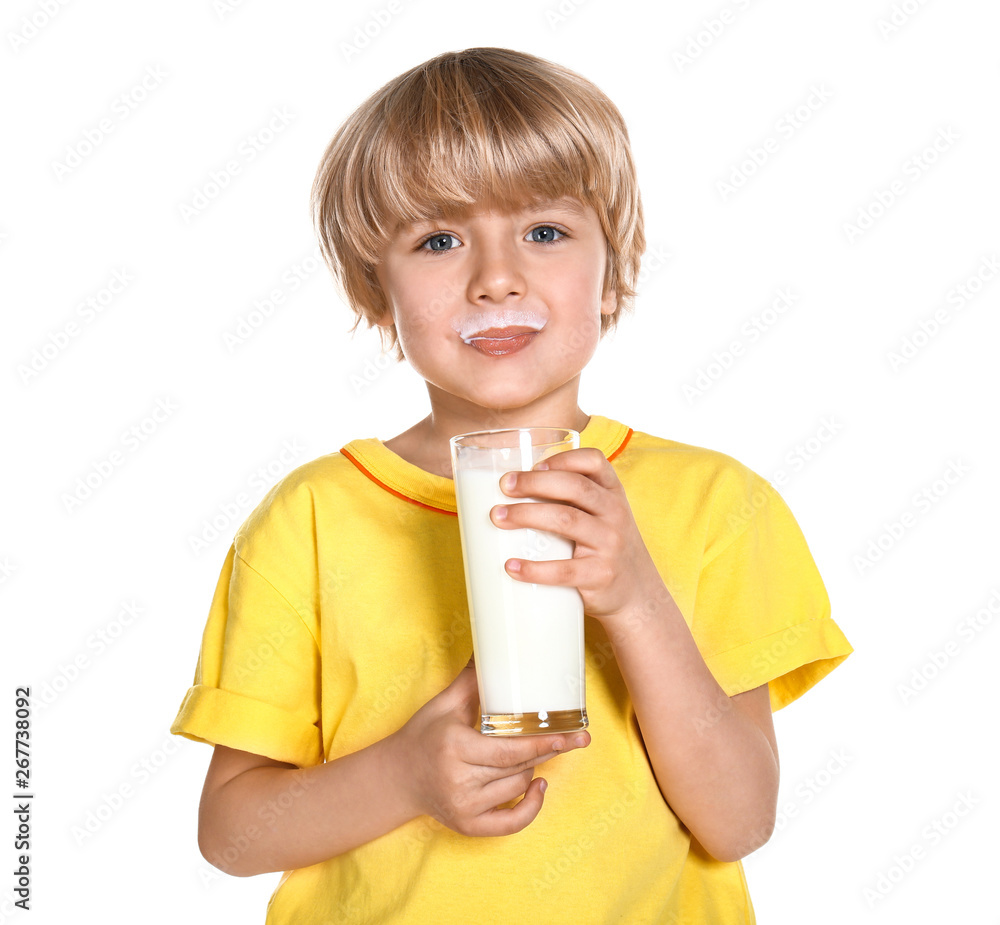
(513,430)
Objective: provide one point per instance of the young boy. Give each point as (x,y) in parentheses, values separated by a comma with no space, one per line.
(482,209)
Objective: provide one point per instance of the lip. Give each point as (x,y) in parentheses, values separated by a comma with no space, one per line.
(502,341)
(498,322)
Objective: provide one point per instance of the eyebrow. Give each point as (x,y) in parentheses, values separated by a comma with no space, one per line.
(566,204)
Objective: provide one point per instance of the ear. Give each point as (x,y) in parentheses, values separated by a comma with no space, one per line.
(609,303)
(381,311)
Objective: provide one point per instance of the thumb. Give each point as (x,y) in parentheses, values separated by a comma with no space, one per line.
(463,693)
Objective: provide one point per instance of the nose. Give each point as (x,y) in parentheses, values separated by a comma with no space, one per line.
(496,272)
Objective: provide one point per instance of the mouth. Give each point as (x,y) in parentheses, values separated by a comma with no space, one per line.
(499,322)
(502,341)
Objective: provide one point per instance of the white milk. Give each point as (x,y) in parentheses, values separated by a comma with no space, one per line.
(528,638)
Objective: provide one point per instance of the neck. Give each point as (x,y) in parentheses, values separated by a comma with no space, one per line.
(426,443)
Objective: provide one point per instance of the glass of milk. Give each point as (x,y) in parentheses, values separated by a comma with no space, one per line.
(527,638)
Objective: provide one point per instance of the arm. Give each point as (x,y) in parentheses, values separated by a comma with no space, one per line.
(258,815)
(714,757)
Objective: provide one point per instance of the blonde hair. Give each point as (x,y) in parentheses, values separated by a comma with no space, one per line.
(483,125)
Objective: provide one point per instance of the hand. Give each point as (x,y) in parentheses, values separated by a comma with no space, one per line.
(460,776)
(611,567)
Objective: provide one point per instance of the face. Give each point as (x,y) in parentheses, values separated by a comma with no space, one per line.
(498,310)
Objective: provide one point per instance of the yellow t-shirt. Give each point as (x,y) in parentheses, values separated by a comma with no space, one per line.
(342,609)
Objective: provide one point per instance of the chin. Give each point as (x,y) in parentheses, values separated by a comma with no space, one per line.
(495,403)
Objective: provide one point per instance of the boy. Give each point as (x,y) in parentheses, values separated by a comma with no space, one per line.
(482,210)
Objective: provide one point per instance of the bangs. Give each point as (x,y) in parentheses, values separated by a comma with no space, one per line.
(456,133)
(508,150)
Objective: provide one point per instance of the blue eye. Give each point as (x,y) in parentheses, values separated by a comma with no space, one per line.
(548,230)
(435,239)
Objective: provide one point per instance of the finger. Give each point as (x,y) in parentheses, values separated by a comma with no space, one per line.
(588,461)
(498,821)
(511,754)
(574,488)
(566,520)
(505,790)
(571,573)
(462,695)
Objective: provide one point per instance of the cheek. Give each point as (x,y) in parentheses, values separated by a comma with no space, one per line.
(422,315)
(437,299)
(588,294)
(589,272)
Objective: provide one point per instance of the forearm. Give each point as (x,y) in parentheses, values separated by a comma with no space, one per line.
(274,819)
(713,763)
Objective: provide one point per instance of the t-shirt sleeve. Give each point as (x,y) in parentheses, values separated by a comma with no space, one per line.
(257,683)
(762,613)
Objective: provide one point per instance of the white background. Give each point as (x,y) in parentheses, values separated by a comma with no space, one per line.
(867,768)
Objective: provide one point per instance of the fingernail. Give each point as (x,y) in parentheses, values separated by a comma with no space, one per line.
(508,481)
(542,466)
(501,512)
(557,746)
(581,740)
(543,786)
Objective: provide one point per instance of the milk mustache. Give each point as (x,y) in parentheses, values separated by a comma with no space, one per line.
(528,638)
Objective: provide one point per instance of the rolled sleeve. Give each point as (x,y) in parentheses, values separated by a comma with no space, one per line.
(257,683)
